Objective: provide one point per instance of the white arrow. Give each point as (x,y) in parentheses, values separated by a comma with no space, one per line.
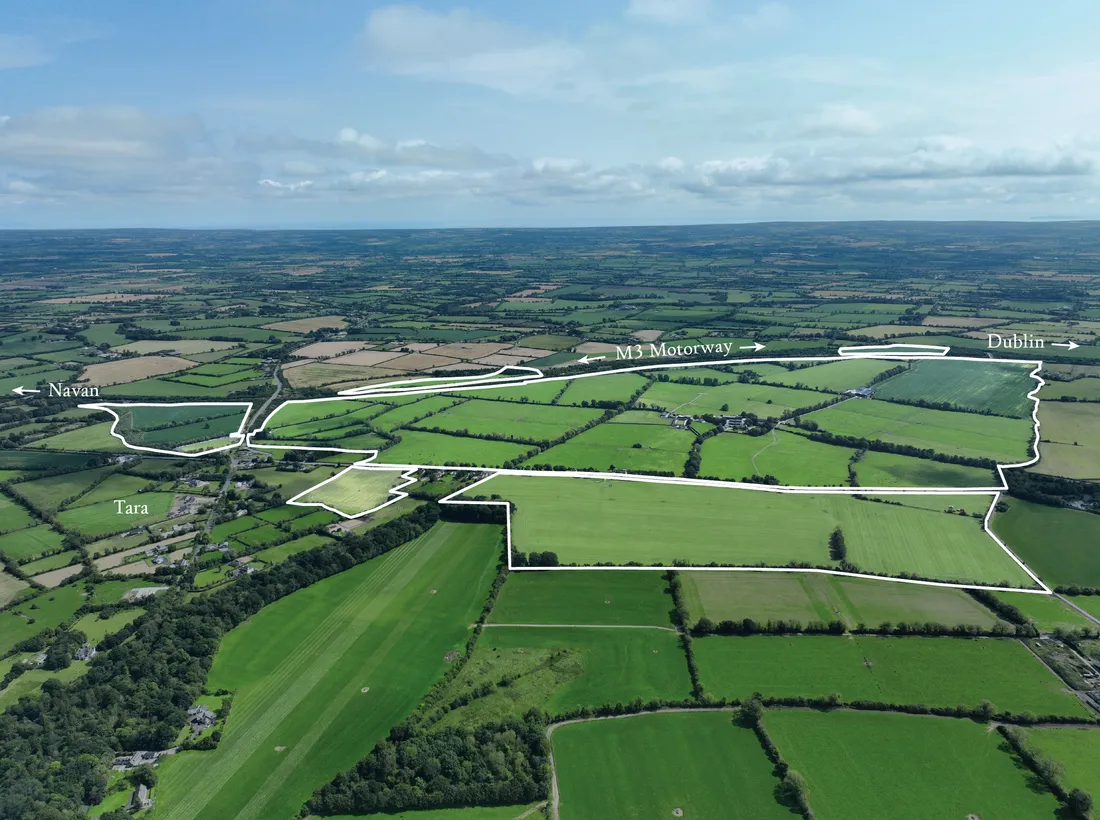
(1070,345)
(585,359)
(756,346)
(22,391)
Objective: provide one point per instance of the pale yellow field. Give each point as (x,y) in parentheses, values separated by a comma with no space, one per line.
(181,347)
(122,371)
(102,297)
(469,350)
(420,361)
(367,357)
(306,325)
(326,349)
(56,576)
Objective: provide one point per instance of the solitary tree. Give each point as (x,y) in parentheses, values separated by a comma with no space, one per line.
(838,550)
(1080,803)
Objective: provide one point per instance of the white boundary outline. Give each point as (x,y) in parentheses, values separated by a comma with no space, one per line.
(485,381)
(239,434)
(395,490)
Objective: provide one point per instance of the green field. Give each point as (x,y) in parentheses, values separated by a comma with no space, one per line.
(112,487)
(31,681)
(1007,441)
(1078,750)
(103,518)
(480,813)
(170,427)
(760,399)
(47,494)
(438,448)
(603,597)
(1047,611)
(416,410)
(95,437)
(621,521)
(295,413)
(877,469)
(1061,545)
(868,766)
(355,491)
(997,387)
(647,766)
(536,422)
(55,561)
(836,377)
(29,543)
(97,628)
(606,446)
(276,555)
(13,517)
(10,587)
(537,393)
(1087,389)
(111,592)
(298,669)
(47,610)
(616,387)
(928,671)
(765,596)
(791,458)
(1070,435)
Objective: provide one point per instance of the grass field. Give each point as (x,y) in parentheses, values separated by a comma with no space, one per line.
(621,521)
(929,671)
(999,387)
(614,387)
(31,681)
(96,437)
(112,487)
(624,597)
(29,543)
(663,449)
(299,670)
(867,766)
(1058,543)
(276,555)
(1087,389)
(536,393)
(760,399)
(1047,611)
(13,517)
(791,458)
(355,491)
(890,470)
(97,628)
(764,596)
(47,610)
(103,518)
(404,414)
(1078,750)
(479,813)
(528,421)
(836,377)
(47,494)
(1070,435)
(111,592)
(10,587)
(647,766)
(1007,441)
(55,561)
(438,448)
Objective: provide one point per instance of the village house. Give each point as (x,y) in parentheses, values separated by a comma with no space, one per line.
(85,653)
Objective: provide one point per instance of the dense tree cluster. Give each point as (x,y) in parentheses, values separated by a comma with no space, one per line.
(497,764)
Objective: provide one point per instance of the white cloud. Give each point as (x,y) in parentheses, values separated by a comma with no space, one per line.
(669,11)
(22,51)
(843,120)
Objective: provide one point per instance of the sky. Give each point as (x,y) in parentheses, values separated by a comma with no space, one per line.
(331,113)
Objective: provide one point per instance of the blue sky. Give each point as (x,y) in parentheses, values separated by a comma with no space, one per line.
(313,113)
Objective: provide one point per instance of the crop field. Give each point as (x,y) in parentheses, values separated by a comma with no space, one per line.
(1007,441)
(1047,611)
(1071,440)
(418,447)
(624,598)
(650,766)
(10,587)
(1077,750)
(536,422)
(877,469)
(103,518)
(791,458)
(355,491)
(929,671)
(618,387)
(29,543)
(615,665)
(765,596)
(867,766)
(325,672)
(1059,544)
(660,449)
(996,387)
(834,377)
(760,399)
(620,521)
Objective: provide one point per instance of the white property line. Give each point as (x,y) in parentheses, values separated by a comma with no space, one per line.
(394,491)
(239,435)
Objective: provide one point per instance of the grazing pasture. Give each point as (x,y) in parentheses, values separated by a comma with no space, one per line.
(624,598)
(994,387)
(418,447)
(930,671)
(325,672)
(1070,433)
(606,446)
(103,519)
(1061,545)
(13,517)
(536,422)
(29,543)
(834,377)
(354,491)
(616,387)
(791,458)
(765,596)
(867,766)
(1077,750)
(763,400)
(1047,611)
(877,469)
(47,610)
(651,766)
(48,494)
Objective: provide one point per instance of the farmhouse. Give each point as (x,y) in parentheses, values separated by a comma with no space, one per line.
(732,423)
(85,653)
(861,393)
(139,799)
(200,718)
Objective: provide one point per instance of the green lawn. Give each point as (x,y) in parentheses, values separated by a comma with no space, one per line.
(760,399)
(835,377)
(30,542)
(596,597)
(479,813)
(440,449)
(298,669)
(870,766)
(791,458)
(999,387)
(96,437)
(1078,750)
(47,609)
(929,671)
(405,414)
(765,596)
(276,555)
(97,628)
(647,766)
(1048,611)
(355,491)
(111,592)
(614,387)
(13,517)
(49,493)
(114,486)
(528,421)
(621,521)
(606,446)
(55,561)
(103,518)
(1061,545)
(877,469)
(31,681)
(1006,441)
